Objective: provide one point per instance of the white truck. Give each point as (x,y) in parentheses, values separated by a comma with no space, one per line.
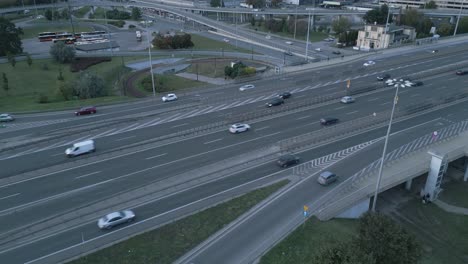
(79,148)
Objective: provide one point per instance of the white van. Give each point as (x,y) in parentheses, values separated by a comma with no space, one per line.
(80,148)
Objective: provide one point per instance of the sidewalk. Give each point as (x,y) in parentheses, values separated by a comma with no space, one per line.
(451,208)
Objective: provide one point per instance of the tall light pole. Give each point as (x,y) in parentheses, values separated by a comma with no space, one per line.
(295,23)
(150,60)
(458,19)
(384,152)
(385,29)
(307,42)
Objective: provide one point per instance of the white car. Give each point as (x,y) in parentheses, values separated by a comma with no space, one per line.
(246,87)
(369,63)
(268,37)
(116,218)
(318,49)
(289,42)
(225,40)
(169,97)
(6,118)
(239,128)
(347,100)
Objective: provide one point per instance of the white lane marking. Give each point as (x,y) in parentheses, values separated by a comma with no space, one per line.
(212,141)
(124,138)
(58,154)
(303,117)
(386,103)
(353,112)
(153,157)
(451,79)
(9,196)
(184,124)
(338,108)
(262,128)
(406,129)
(374,99)
(86,175)
(414,95)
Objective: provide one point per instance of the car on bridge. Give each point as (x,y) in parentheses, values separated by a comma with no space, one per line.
(347,100)
(284,95)
(116,218)
(287,160)
(6,118)
(461,72)
(169,97)
(239,128)
(289,53)
(275,102)
(246,87)
(328,121)
(369,63)
(86,110)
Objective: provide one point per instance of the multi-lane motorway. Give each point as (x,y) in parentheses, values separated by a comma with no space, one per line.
(140,146)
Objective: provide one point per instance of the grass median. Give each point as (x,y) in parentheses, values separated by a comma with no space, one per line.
(166,244)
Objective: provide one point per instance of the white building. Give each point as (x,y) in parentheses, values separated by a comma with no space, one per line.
(453,4)
(376,37)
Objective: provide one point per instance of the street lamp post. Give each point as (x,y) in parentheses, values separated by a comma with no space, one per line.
(458,19)
(385,29)
(307,42)
(379,179)
(150,60)
(295,23)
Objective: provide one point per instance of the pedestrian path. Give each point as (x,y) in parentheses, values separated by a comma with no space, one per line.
(451,208)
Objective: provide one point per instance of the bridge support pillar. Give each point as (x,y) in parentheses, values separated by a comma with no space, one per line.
(357,210)
(437,170)
(408,184)
(465,177)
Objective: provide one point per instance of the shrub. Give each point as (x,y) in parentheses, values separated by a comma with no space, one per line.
(43,99)
(118,23)
(131,26)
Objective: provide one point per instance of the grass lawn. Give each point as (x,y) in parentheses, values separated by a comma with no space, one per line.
(32,32)
(99,12)
(443,235)
(7,3)
(455,193)
(207,67)
(26,83)
(166,244)
(79,13)
(314,36)
(306,241)
(168,82)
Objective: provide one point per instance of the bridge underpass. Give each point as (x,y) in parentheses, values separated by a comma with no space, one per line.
(428,154)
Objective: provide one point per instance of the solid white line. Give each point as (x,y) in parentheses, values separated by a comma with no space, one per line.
(386,103)
(184,124)
(58,154)
(124,138)
(353,112)
(86,175)
(374,99)
(338,108)
(400,131)
(414,95)
(304,117)
(212,141)
(262,128)
(9,196)
(152,157)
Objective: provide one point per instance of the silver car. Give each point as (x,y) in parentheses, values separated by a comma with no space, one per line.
(6,118)
(246,87)
(116,218)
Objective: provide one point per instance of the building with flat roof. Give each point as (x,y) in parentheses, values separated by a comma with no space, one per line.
(376,37)
(453,4)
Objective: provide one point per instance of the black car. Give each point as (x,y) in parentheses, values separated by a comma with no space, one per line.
(284,95)
(289,53)
(462,72)
(287,160)
(275,101)
(328,121)
(336,52)
(417,83)
(383,77)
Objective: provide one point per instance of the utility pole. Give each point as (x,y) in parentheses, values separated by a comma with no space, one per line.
(458,19)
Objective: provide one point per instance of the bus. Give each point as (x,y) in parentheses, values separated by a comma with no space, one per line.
(70,40)
(92,34)
(46,36)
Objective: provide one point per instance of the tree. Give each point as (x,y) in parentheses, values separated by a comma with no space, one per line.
(431,5)
(341,25)
(11,59)
(48,14)
(56,15)
(64,90)
(5,82)
(29,59)
(216,3)
(89,85)
(463,25)
(343,253)
(136,13)
(377,15)
(445,29)
(10,41)
(275,3)
(411,18)
(62,53)
(252,21)
(256,3)
(386,241)
(65,14)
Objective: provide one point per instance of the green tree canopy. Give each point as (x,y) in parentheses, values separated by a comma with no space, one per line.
(10,41)
(463,25)
(341,25)
(445,29)
(216,3)
(62,53)
(256,3)
(431,5)
(89,85)
(377,15)
(136,13)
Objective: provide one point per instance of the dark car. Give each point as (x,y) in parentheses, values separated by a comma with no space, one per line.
(417,83)
(336,52)
(86,110)
(462,72)
(275,101)
(383,77)
(287,160)
(328,121)
(289,53)
(435,51)
(284,95)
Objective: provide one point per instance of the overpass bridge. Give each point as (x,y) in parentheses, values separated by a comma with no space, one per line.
(428,154)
